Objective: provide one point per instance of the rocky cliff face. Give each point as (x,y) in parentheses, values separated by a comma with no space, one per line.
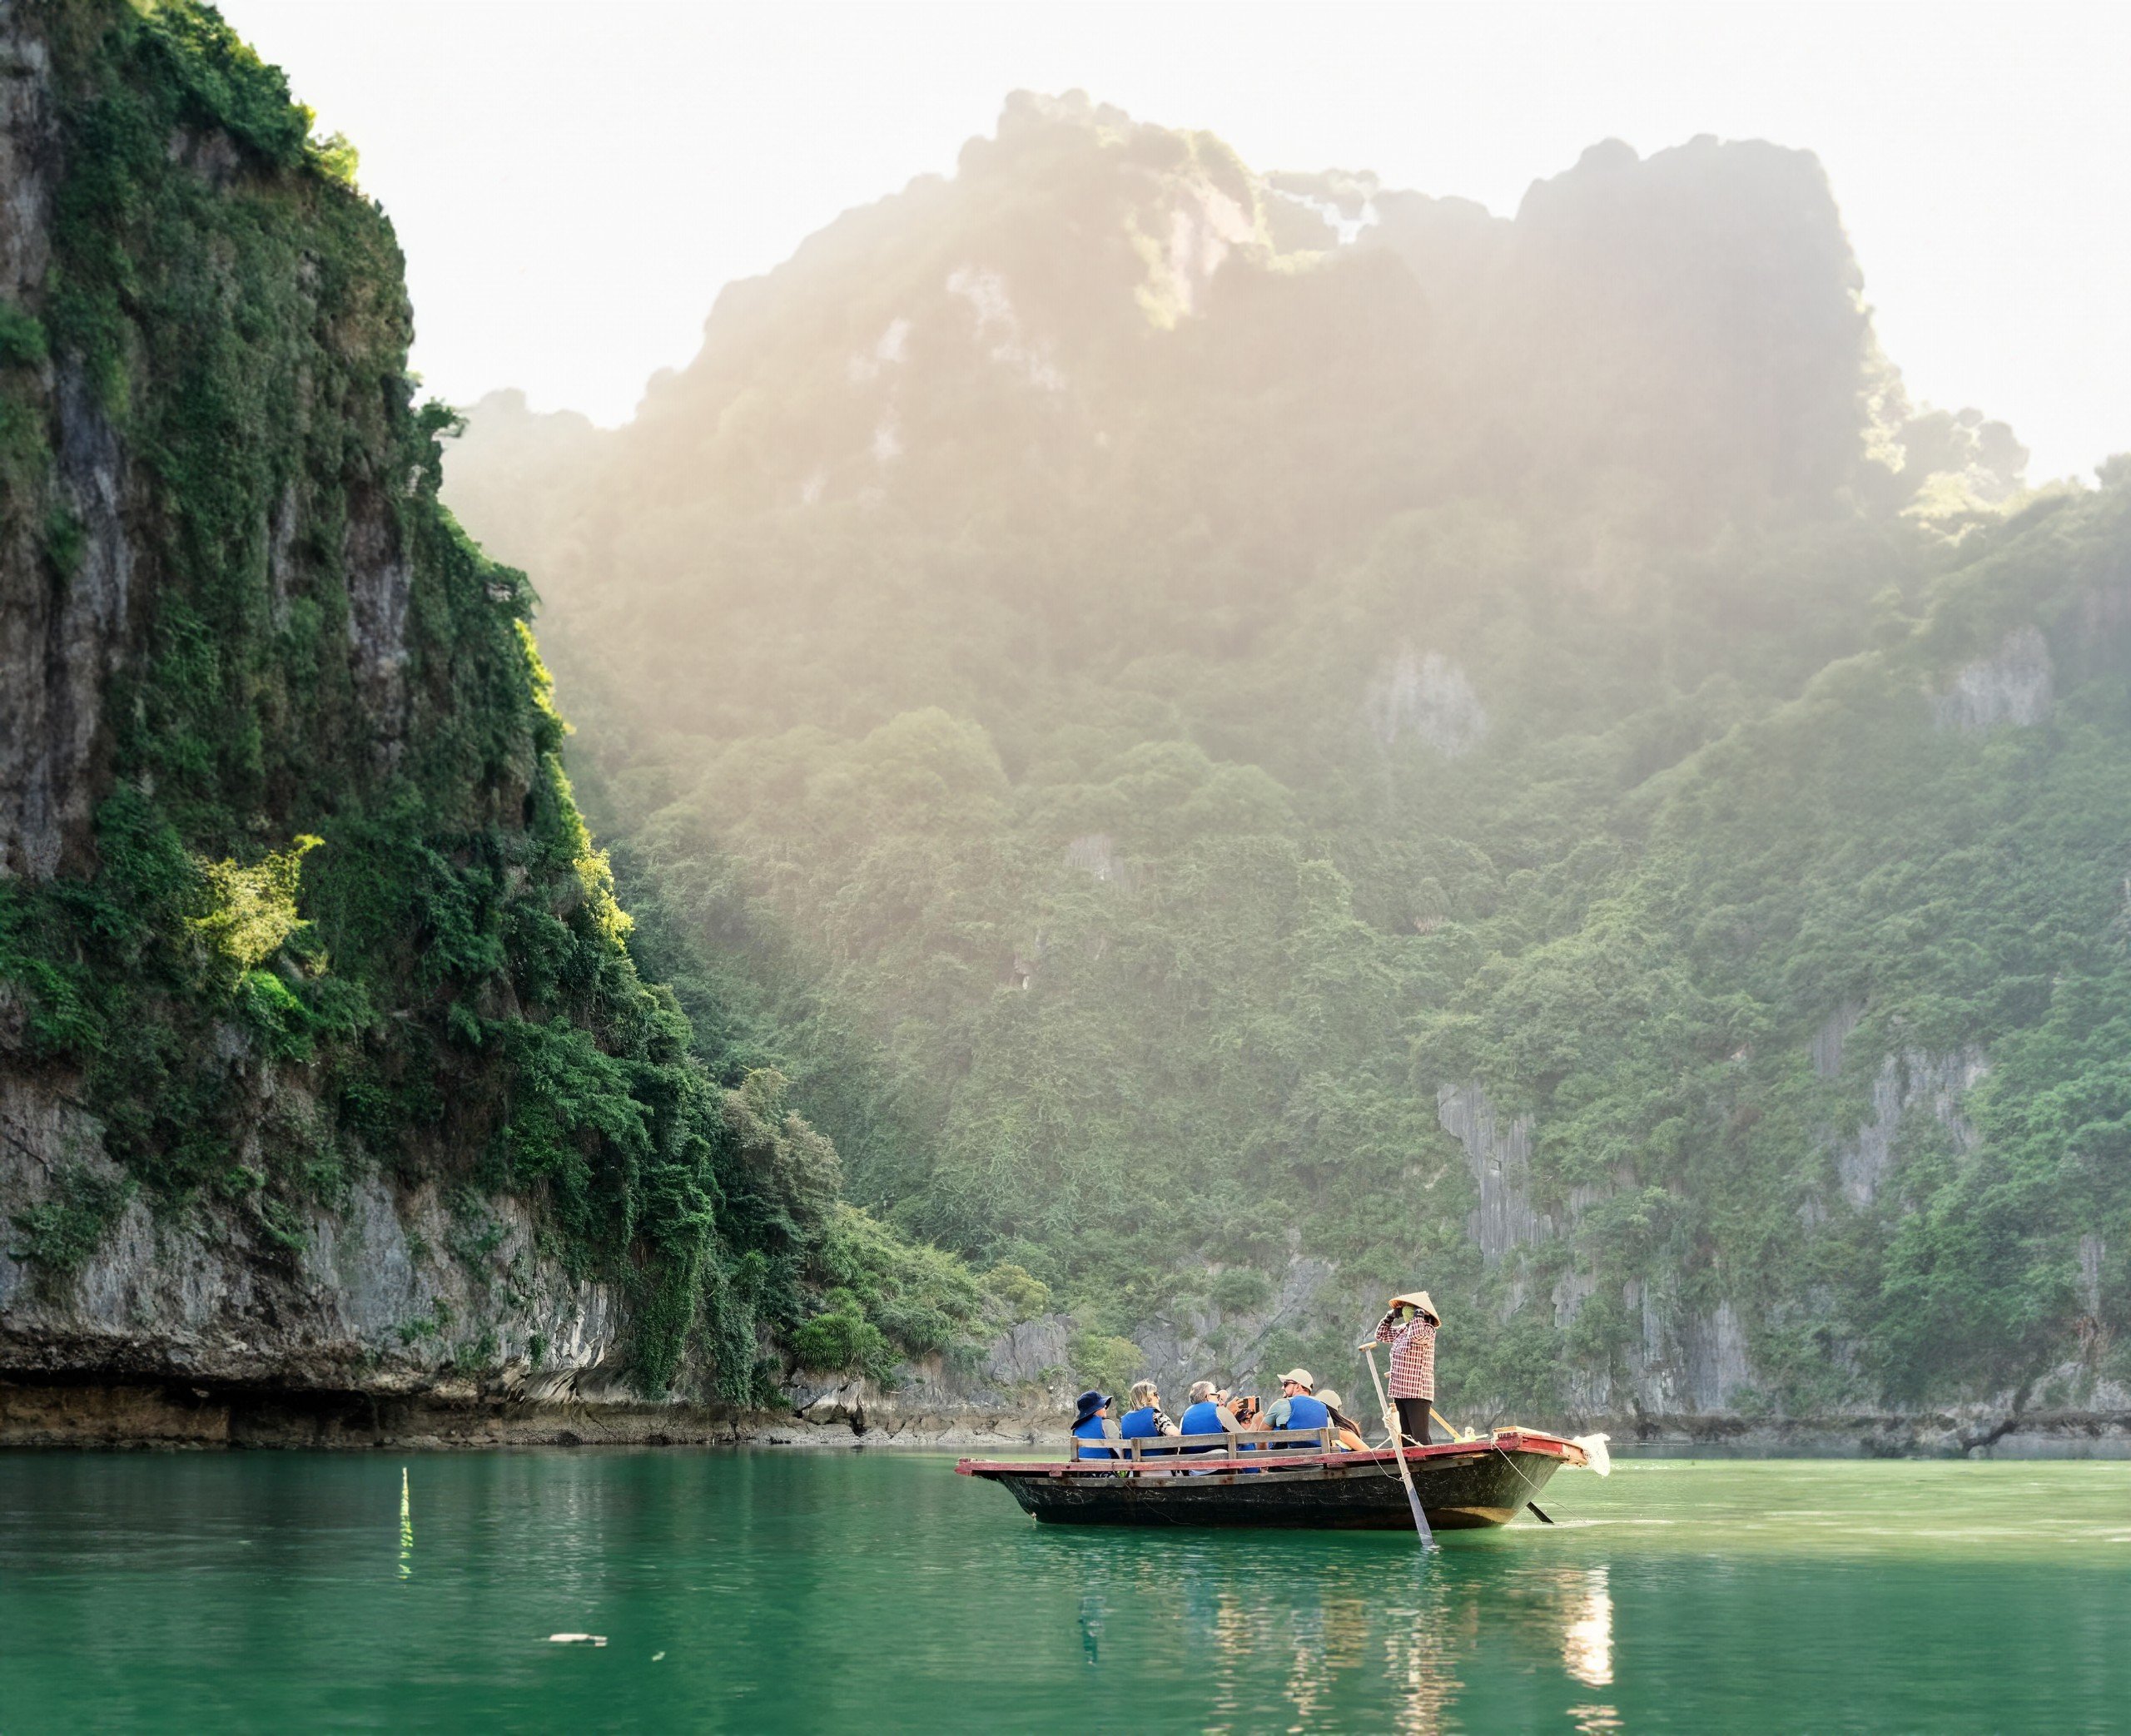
(1688,1372)
(387,1281)
(56,643)
(324,1066)
(332,1105)
(1394,725)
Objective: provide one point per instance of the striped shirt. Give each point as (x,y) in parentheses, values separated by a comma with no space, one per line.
(1413,1357)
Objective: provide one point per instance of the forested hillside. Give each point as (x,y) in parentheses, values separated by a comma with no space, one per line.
(326,1056)
(1242,737)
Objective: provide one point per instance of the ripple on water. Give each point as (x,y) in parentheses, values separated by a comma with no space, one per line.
(881,1592)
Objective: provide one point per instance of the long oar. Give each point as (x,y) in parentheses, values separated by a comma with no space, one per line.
(1398,1446)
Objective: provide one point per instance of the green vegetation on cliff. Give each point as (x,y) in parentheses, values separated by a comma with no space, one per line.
(335,906)
(1500,752)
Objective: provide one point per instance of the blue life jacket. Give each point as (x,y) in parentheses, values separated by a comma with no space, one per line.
(1203,1418)
(1091,1430)
(1138,1425)
(1305,1412)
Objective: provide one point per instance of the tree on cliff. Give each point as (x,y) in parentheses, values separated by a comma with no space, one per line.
(296,891)
(1214,751)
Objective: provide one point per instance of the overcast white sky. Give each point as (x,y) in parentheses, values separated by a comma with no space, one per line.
(572,182)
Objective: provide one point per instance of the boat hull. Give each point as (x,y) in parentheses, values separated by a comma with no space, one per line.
(1460,1488)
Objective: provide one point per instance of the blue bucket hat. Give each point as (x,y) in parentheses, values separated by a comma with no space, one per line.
(1090,1402)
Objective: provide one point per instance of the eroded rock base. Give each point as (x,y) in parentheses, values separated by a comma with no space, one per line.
(37,1412)
(40,1412)
(2027,1435)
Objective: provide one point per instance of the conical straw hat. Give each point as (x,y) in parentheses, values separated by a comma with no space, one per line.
(1419,1299)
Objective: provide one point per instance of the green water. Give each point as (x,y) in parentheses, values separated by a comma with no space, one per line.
(863,1592)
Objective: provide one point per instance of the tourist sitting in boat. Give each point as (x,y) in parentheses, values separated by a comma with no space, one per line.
(1409,1326)
(1348,1437)
(1093,1423)
(1207,1414)
(1146,1420)
(1297,1407)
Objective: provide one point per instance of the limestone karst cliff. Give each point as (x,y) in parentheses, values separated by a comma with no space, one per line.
(1236,739)
(279,777)
(1258,736)
(326,1065)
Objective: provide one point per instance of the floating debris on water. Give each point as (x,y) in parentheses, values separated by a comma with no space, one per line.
(656,1656)
(580,1639)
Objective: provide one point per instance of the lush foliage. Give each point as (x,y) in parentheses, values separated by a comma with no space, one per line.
(343,910)
(1140,697)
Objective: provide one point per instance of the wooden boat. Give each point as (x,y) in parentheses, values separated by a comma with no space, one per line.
(1285,1479)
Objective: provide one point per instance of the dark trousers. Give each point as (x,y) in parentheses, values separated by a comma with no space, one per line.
(1413,1418)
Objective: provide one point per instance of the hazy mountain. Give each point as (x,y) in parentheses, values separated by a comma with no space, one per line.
(1248,736)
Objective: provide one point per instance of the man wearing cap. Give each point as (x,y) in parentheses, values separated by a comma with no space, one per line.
(1297,1407)
(1408,1326)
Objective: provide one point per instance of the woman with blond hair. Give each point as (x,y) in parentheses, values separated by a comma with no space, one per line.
(1146,1420)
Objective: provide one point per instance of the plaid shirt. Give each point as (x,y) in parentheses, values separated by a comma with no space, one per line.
(1413,1357)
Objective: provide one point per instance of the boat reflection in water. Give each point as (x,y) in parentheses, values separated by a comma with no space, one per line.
(1423,1659)
(867,1591)
(1342,1624)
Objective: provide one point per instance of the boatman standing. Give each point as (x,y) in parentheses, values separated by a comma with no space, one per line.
(1409,1326)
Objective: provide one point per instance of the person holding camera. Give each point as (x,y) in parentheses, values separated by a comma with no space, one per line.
(1207,1414)
(1409,1326)
(1298,1407)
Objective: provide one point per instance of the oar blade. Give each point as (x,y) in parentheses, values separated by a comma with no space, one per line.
(1421,1526)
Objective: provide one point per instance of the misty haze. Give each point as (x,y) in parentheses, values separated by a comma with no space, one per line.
(1151,772)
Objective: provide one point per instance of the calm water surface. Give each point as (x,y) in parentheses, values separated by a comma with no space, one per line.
(863,1592)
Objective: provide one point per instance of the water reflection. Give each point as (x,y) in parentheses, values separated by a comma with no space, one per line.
(1587,1638)
(406,1529)
(849,1594)
(1421,1655)
(1587,1649)
(1294,1633)
(1274,1634)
